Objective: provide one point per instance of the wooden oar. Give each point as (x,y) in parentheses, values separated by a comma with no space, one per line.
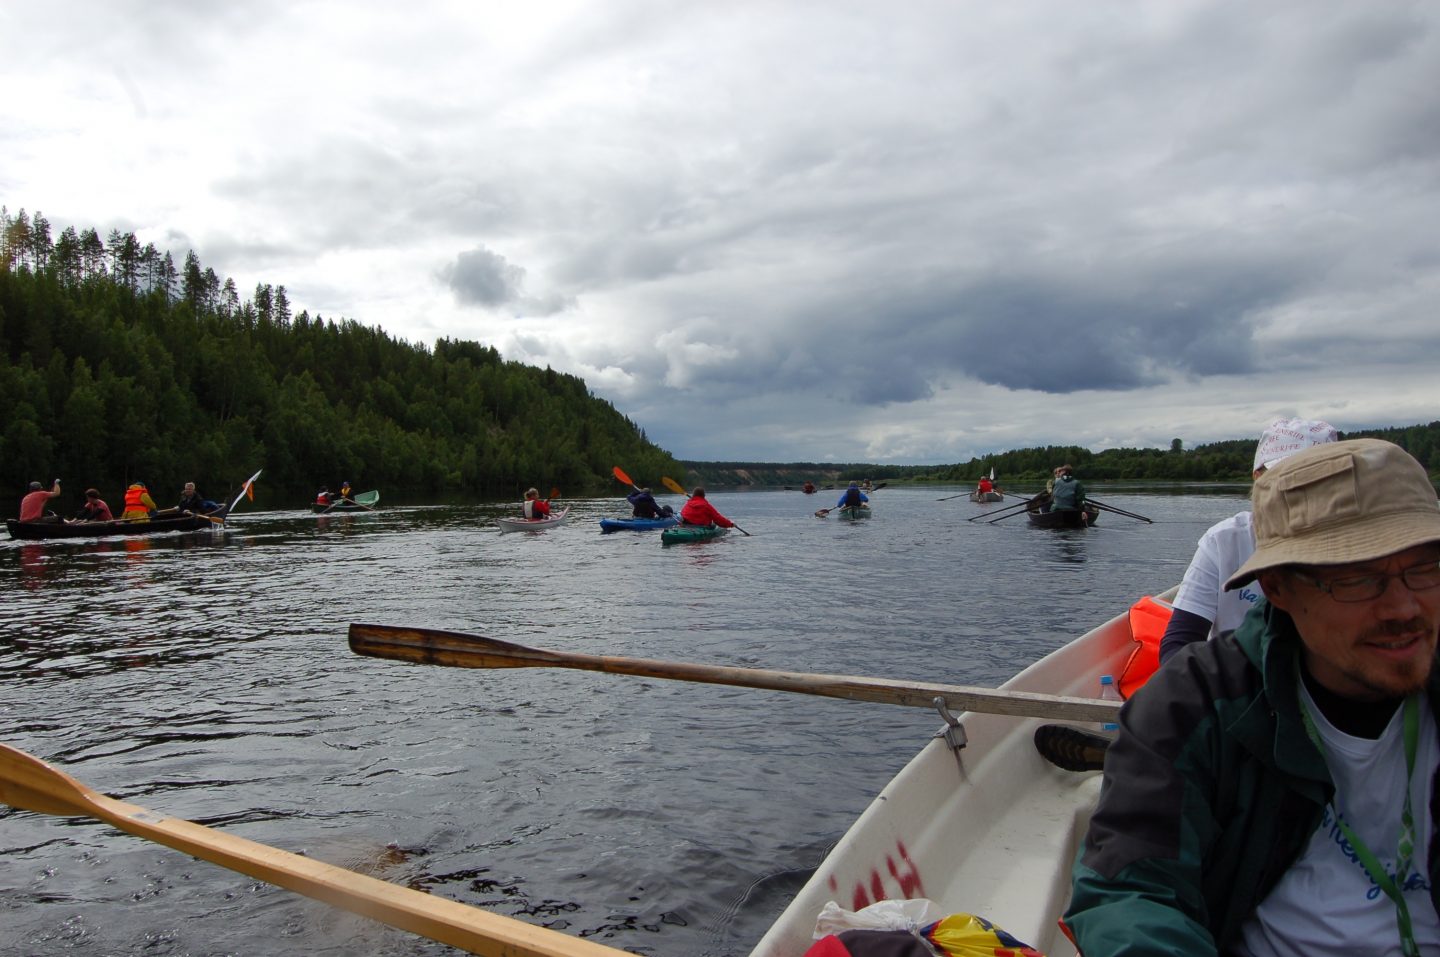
(455,649)
(1003,508)
(1117,511)
(32,785)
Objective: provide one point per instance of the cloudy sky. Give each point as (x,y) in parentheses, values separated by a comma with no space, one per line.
(844,231)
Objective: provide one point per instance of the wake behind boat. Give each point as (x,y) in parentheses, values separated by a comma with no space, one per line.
(995,838)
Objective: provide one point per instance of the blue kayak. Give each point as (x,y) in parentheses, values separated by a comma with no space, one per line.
(636,524)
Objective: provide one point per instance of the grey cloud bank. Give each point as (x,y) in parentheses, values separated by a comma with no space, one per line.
(782,232)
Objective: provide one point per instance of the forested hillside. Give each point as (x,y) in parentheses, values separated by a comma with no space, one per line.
(115,365)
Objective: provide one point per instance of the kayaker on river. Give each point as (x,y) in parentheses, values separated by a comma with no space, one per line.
(698,511)
(535,507)
(643,505)
(852,497)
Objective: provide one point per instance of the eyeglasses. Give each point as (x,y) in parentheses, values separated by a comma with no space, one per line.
(1421,577)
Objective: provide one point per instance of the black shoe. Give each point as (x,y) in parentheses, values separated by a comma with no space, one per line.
(1071,748)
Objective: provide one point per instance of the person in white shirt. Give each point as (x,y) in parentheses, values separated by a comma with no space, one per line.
(1203,609)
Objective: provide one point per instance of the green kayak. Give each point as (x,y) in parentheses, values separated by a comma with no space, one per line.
(690,533)
(854,511)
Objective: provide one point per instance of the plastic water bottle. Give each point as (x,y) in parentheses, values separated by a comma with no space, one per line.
(1108,692)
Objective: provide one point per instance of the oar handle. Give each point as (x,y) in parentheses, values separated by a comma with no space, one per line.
(461,650)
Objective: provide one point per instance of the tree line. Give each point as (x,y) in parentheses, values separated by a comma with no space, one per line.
(117,366)
(1230,460)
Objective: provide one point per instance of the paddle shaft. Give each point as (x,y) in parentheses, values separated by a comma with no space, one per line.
(29,783)
(460,650)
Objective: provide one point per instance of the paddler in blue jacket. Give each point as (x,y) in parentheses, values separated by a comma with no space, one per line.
(852,497)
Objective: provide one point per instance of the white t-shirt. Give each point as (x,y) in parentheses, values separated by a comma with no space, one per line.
(1326,904)
(1223,548)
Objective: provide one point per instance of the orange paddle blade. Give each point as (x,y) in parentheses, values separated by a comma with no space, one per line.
(555,492)
(620,474)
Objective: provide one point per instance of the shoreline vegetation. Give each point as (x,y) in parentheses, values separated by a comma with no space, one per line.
(117,366)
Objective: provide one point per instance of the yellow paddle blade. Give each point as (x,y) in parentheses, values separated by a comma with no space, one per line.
(672,485)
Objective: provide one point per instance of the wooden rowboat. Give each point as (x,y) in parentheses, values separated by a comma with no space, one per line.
(1067,518)
(37,531)
(991,829)
(533,524)
(977,822)
(992,496)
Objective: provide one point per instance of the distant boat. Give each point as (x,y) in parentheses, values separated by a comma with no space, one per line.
(38,531)
(364,502)
(991,496)
(532,524)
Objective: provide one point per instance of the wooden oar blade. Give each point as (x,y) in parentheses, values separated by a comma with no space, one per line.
(460,650)
(450,649)
(31,785)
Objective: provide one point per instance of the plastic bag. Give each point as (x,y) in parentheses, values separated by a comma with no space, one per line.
(910,928)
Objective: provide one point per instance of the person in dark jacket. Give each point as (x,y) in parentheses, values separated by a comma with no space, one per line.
(643,505)
(1270,792)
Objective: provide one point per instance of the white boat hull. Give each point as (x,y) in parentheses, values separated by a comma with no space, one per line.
(532,524)
(997,840)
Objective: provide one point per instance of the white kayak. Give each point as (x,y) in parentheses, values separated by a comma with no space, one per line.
(533,524)
(996,840)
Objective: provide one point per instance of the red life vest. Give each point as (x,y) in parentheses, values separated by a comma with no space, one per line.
(1148,618)
(135,499)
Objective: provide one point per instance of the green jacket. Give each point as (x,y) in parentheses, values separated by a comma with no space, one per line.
(1068,494)
(1212,790)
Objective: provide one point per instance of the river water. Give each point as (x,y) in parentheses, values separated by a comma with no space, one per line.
(207,677)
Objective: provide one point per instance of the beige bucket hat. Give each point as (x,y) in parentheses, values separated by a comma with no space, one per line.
(1340,502)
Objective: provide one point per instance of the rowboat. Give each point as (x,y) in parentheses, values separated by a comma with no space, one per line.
(533,524)
(853,512)
(990,829)
(690,533)
(637,524)
(36,531)
(977,822)
(991,496)
(364,502)
(1067,518)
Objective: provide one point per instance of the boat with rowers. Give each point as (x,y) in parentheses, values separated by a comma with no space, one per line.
(1062,518)
(853,512)
(185,522)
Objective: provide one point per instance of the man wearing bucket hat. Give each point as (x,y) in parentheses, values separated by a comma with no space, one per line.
(1203,608)
(1271,792)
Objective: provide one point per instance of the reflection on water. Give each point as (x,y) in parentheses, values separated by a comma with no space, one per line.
(207,676)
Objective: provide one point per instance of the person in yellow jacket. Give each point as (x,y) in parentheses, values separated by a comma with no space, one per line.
(138,503)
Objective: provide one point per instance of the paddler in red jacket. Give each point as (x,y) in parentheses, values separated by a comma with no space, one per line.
(698,511)
(535,507)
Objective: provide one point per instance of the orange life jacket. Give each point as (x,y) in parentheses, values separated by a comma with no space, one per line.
(1148,618)
(135,499)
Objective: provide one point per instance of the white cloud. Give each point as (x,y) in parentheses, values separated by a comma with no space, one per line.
(768,231)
